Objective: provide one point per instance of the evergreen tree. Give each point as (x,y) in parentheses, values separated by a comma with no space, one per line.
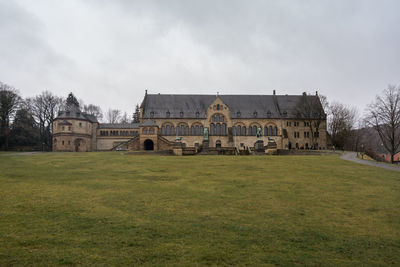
(136,114)
(24,130)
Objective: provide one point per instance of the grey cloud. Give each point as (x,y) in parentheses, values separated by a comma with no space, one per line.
(346,49)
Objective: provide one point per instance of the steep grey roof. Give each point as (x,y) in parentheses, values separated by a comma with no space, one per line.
(241,106)
(119,125)
(76,114)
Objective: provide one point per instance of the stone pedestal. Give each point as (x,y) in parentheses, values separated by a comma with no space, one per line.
(205,145)
(259,146)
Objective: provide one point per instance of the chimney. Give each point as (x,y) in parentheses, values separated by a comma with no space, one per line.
(316,93)
(274,92)
(145,92)
(304,93)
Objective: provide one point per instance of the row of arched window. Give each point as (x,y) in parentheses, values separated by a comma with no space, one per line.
(216,129)
(252,130)
(182,130)
(118,133)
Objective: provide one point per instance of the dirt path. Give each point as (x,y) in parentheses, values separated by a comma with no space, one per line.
(352,156)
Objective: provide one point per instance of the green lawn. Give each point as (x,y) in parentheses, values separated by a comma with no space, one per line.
(114,209)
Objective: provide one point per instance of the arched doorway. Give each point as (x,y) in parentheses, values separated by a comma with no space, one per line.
(79,145)
(218,144)
(148,145)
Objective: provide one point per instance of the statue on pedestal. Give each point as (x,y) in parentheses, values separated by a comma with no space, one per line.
(259,133)
(205,134)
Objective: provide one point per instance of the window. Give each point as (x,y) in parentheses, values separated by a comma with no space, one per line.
(285,113)
(168,114)
(63,128)
(306,134)
(223,129)
(270,130)
(269,114)
(275,131)
(255,114)
(197,114)
(212,129)
(217,106)
(62,142)
(69,128)
(265,131)
(238,114)
(192,132)
(152,114)
(288,123)
(69,142)
(197,130)
(181,114)
(239,130)
(244,130)
(254,130)
(80,124)
(218,129)
(296,123)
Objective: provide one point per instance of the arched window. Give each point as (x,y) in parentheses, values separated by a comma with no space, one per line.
(275,131)
(250,131)
(217,117)
(162,130)
(244,130)
(265,131)
(197,130)
(192,130)
(270,130)
(212,129)
(201,130)
(218,129)
(254,130)
(223,129)
(187,130)
(233,130)
(182,130)
(239,130)
(172,130)
(168,130)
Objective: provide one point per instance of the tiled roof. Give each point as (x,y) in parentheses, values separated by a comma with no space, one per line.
(240,106)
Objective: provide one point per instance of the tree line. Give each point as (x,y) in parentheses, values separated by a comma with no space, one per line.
(26,123)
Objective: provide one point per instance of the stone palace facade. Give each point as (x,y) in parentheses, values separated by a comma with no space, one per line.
(168,121)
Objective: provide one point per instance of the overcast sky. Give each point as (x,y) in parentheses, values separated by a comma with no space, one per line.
(108,52)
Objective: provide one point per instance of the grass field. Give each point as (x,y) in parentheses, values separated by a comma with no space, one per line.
(112,209)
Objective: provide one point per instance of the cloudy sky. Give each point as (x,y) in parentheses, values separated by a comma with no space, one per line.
(108,52)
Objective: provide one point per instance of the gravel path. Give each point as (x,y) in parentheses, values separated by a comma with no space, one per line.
(352,156)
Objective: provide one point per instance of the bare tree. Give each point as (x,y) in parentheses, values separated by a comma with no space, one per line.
(93,110)
(113,115)
(124,118)
(312,112)
(45,108)
(384,117)
(341,121)
(9,101)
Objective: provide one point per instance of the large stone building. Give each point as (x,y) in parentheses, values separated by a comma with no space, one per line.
(171,121)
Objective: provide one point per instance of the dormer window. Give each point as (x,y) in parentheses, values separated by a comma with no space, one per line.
(255,114)
(68,113)
(168,114)
(269,114)
(285,113)
(238,114)
(217,106)
(78,114)
(152,114)
(181,114)
(197,114)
